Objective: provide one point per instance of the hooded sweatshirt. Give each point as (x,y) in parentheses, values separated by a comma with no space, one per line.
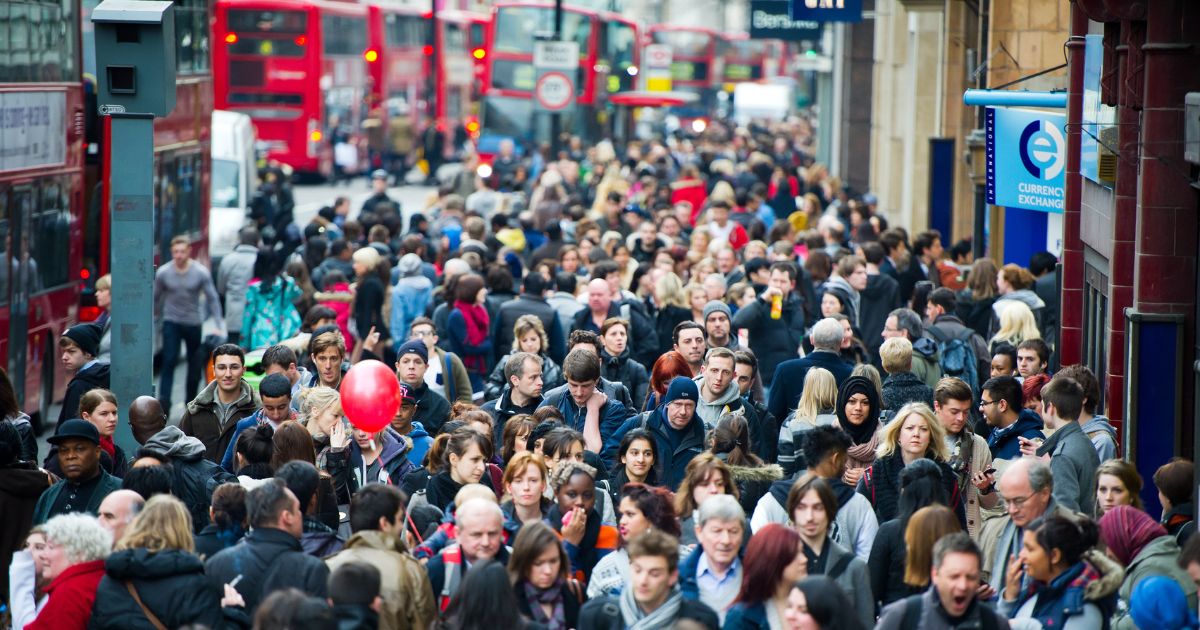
(854,527)
(843,288)
(1027,296)
(710,412)
(1103,437)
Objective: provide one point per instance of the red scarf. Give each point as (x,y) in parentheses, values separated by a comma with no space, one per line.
(106,443)
(477,330)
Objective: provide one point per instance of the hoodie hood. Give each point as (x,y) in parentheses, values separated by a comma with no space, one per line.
(1027,296)
(769,472)
(172,443)
(1100,423)
(925,347)
(710,412)
(841,286)
(418,430)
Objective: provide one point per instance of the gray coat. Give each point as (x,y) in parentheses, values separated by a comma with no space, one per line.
(233,278)
(1073,462)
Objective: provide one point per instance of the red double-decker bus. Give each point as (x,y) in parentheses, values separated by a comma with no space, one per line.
(396,59)
(608,56)
(697,64)
(298,69)
(748,59)
(41,192)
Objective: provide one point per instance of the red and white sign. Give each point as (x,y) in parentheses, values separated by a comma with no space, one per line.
(554,90)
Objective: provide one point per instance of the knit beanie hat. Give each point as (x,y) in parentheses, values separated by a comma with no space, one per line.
(86,336)
(716,306)
(415,346)
(681,388)
(1158,602)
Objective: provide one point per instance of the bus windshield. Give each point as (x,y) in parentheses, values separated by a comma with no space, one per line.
(518,27)
(261,21)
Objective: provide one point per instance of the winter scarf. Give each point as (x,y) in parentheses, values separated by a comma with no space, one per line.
(1127,530)
(478,324)
(557,620)
(662,617)
(109,447)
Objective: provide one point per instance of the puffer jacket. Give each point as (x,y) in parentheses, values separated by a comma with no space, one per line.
(201,419)
(552,376)
(623,369)
(171,583)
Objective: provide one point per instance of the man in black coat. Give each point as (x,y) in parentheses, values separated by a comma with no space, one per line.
(532,301)
(774,340)
(78,348)
(269,558)
(522,394)
(195,476)
(789,376)
(881,297)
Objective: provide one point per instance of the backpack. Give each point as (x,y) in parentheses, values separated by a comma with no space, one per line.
(914,606)
(957,357)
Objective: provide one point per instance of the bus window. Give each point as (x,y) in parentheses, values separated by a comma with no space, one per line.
(619,43)
(685,43)
(37,46)
(518,27)
(265,34)
(7,264)
(256,21)
(403,31)
(51,226)
(191,36)
(345,36)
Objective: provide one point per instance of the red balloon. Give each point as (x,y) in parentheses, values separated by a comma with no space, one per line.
(370,395)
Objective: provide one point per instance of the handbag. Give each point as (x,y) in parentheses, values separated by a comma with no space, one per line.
(150,616)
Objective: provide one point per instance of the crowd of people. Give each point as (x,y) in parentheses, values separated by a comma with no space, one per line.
(697,384)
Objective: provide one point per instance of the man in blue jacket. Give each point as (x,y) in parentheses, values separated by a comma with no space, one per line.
(1001,405)
(678,431)
(584,407)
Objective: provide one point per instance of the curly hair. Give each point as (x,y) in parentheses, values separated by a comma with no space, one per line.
(566,469)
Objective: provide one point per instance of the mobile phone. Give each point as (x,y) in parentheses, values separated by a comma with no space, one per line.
(990,471)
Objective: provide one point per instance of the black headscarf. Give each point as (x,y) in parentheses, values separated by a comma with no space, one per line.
(860,433)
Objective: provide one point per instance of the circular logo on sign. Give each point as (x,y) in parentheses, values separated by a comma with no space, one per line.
(1042,149)
(554,90)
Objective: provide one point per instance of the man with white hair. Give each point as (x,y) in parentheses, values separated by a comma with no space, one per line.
(480,525)
(712,573)
(117,511)
(1027,490)
(76,546)
(788,383)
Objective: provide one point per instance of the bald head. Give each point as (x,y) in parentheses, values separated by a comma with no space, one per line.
(480,526)
(118,509)
(599,296)
(146,418)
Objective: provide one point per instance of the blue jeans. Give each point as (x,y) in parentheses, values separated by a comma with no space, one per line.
(172,334)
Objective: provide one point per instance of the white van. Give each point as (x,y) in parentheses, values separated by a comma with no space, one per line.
(234,180)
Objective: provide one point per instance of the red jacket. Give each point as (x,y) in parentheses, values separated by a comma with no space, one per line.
(72,594)
(691,191)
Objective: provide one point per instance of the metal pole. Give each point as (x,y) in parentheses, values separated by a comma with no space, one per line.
(556,117)
(131,185)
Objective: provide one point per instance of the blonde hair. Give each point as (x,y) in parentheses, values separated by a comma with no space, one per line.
(820,395)
(896,355)
(1017,324)
(473,491)
(889,440)
(368,256)
(689,290)
(315,400)
(104,283)
(670,289)
(523,325)
(164,523)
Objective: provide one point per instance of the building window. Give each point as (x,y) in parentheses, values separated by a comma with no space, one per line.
(1095,318)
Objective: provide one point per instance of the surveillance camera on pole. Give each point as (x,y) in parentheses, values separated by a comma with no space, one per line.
(135,63)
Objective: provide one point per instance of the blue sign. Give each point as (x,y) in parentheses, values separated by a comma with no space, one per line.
(770,19)
(1026,159)
(827,10)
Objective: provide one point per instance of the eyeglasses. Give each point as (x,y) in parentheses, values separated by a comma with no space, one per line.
(984,403)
